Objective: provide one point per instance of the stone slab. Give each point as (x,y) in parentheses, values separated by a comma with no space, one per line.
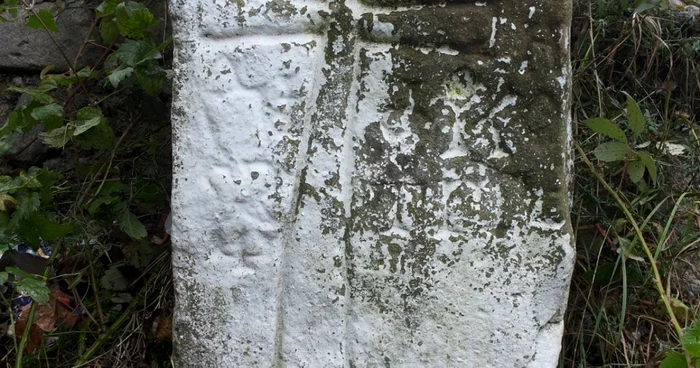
(379,183)
(26,49)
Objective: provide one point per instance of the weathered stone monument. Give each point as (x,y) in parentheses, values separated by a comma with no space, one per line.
(377,183)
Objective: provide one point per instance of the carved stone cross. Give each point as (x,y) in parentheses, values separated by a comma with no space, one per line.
(363,184)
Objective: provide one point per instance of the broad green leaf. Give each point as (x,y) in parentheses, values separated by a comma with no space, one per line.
(151,79)
(82,126)
(27,232)
(88,117)
(119,75)
(42,19)
(607,128)
(50,230)
(635,170)
(95,205)
(58,137)
(636,119)
(106,8)
(691,340)
(648,163)
(112,187)
(38,95)
(611,151)
(35,288)
(12,7)
(134,19)
(50,115)
(131,225)
(29,179)
(21,273)
(3,277)
(109,31)
(15,120)
(86,73)
(99,137)
(31,284)
(25,180)
(674,359)
(679,308)
(28,205)
(87,113)
(114,280)
(132,52)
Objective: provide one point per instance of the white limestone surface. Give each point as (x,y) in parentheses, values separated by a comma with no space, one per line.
(363,184)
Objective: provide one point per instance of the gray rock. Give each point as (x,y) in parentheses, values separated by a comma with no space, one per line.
(25,149)
(26,49)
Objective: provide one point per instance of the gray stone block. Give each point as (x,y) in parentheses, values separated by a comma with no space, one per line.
(26,49)
(371,183)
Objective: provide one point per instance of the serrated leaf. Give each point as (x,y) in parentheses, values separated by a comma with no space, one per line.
(50,230)
(134,19)
(132,52)
(607,128)
(89,117)
(28,205)
(99,201)
(673,359)
(635,170)
(31,284)
(42,19)
(38,95)
(83,126)
(99,137)
(691,340)
(114,280)
(106,8)
(36,289)
(15,120)
(636,119)
(611,151)
(119,75)
(50,115)
(86,73)
(151,79)
(21,273)
(57,138)
(131,225)
(648,163)
(679,308)
(109,31)
(28,234)
(25,180)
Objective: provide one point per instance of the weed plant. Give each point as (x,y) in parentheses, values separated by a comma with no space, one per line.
(636,90)
(106,298)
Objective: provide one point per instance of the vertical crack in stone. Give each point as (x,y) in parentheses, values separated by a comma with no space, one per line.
(291,217)
(326,118)
(347,172)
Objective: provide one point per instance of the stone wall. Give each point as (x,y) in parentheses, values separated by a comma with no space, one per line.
(379,183)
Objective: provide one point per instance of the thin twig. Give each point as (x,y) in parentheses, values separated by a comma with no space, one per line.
(116,326)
